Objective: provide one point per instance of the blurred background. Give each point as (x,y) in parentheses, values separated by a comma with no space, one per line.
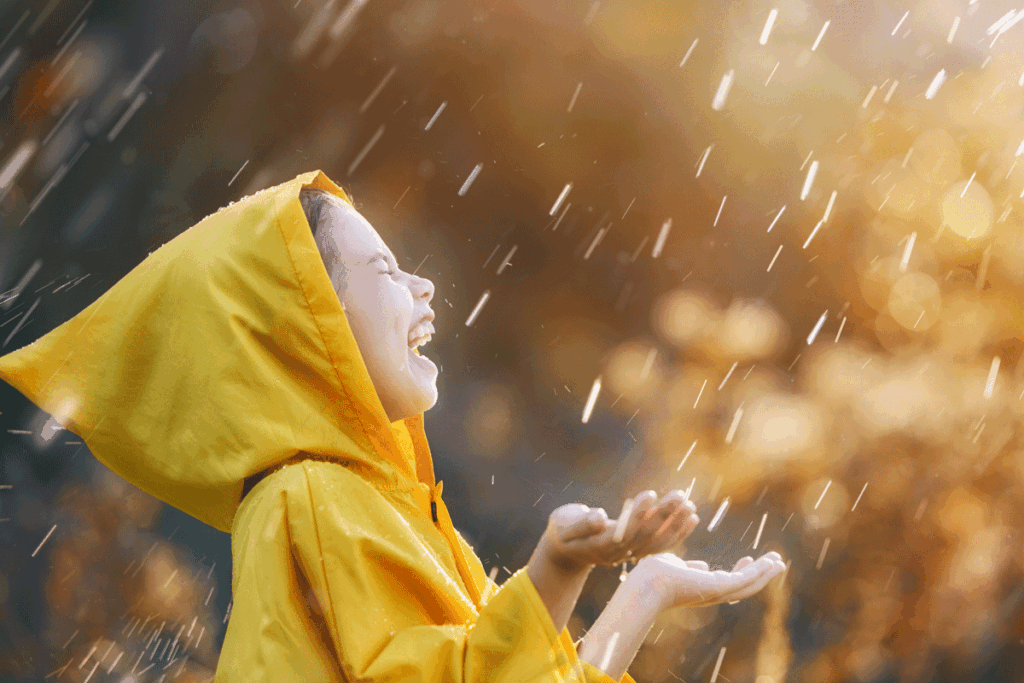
(772,251)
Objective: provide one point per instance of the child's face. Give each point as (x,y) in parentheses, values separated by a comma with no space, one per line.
(388,310)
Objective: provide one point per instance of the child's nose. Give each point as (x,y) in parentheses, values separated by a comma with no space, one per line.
(423,288)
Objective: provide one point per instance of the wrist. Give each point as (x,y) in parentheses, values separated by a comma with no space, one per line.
(547,555)
(559,587)
(562,577)
(648,586)
(614,639)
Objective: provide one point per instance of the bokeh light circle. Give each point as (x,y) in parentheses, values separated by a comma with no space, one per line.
(682,317)
(915,301)
(967,209)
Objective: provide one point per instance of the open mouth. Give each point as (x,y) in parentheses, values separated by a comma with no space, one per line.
(420,335)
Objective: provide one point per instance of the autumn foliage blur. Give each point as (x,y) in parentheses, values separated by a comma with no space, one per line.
(795,263)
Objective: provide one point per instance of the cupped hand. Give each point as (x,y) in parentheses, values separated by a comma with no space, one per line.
(578,536)
(691,583)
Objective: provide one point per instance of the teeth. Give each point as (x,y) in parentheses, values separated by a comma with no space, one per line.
(419,341)
(420,334)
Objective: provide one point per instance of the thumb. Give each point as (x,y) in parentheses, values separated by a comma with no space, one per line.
(588,524)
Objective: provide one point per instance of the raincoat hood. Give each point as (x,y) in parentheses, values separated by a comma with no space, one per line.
(223,353)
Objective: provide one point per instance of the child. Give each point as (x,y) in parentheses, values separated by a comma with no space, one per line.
(266,381)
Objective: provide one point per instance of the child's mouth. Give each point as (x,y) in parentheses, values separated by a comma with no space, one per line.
(420,335)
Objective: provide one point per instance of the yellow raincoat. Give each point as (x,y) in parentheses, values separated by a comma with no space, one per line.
(226,353)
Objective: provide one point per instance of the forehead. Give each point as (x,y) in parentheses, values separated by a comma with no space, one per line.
(350,233)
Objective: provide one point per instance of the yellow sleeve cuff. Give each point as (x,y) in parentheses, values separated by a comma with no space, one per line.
(595,675)
(570,665)
(576,666)
(541,610)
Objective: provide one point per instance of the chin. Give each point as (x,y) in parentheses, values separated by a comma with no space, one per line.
(427,400)
(416,399)
(433,399)
(414,390)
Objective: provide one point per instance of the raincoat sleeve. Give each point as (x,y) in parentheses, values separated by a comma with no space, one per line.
(353,600)
(590,673)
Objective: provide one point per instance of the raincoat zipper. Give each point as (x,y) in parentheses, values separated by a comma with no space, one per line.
(451,536)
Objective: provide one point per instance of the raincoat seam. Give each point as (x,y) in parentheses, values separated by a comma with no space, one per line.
(288,533)
(323,570)
(316,321)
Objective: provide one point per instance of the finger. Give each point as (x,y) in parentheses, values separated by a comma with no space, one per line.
(665,525)
(644,505)
(756,586)
(650,535)
(726,584)
(641,508)
(627,537)
(565,515)
(675,504)
(649,540)
(769,558)
(688,527)
(674,530)
(622,522)
(687,524)
(673,500)
(666,534)
(667,508)
(754,572)
(744,561)
(635,514)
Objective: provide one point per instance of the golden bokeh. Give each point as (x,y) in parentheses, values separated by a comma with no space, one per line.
(749,330)
(967,209)
(779,428)
(634,370)
(915,301)
(935,157)
(683,317)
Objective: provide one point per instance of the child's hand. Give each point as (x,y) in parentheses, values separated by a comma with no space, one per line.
(679,582)
(578,537)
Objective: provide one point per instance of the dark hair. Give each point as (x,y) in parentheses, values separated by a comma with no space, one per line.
(313,202)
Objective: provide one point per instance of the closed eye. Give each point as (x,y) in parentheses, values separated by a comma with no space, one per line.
(383,257)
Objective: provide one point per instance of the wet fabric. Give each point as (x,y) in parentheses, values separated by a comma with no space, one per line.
(226,353)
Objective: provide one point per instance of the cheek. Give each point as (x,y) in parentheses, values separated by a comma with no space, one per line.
(401,306)
(391,313)
(362,308)
(382,310)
